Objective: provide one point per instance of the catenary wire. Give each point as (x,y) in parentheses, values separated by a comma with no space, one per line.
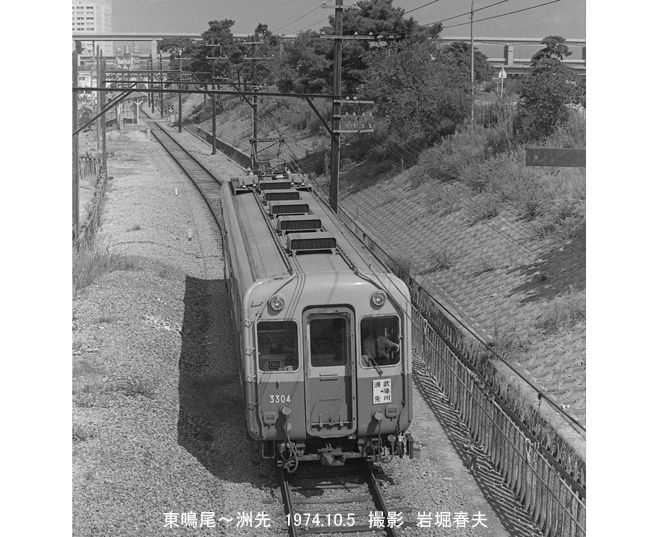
(297,19)
(420,7)
(466,13)
(503,14)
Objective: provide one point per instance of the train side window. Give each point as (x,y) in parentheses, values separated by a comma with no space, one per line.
(328,341)
(380,341)
(277,345)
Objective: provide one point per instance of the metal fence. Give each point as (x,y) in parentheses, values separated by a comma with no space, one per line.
(552,502)
(544,473)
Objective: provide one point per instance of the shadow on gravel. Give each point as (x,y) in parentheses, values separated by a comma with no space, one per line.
(552,275)
(511,513)
(211,424)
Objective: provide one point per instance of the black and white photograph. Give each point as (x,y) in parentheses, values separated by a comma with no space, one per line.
(326,266)
(329,267)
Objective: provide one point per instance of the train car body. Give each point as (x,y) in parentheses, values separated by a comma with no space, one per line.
(323,329)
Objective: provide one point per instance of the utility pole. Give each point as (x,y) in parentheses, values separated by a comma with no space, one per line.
(74,158)
(104,153)
(472,72)
(160,76)
(336,125)
(99,97)
(151,82)
(253,155)
(179,126)
(337,96)
(213,110)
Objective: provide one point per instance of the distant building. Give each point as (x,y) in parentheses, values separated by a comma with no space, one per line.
(92,16)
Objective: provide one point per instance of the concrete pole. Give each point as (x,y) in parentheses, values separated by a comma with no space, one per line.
(160,74)
(74,153)
(99,98)
(151,82)
(334,193)
(104,152)
(472,72)
(213,112)
(179,126)
(253,154)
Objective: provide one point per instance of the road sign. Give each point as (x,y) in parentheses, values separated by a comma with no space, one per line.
(502,73)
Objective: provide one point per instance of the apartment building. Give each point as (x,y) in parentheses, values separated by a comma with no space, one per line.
(92,16)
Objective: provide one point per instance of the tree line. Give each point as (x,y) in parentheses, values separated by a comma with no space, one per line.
(422,90)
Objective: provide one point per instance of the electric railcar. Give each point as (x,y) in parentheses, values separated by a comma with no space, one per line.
(323,329)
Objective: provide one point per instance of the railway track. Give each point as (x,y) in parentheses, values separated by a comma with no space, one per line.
(206,183)
(317,500)
(321,500)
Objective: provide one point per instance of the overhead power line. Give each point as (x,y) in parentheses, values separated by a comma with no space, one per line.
(313,24)
(420,7)
(503,14)
(298,19)
(466,13)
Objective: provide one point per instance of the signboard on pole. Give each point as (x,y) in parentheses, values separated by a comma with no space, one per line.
(502,73)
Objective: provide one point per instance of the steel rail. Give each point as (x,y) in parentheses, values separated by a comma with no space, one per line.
(366,472)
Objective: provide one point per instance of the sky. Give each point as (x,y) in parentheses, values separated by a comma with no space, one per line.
(565,17)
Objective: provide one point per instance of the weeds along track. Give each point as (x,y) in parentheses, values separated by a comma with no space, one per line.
(321,500)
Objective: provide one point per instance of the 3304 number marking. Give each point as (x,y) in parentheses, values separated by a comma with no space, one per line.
(277,398)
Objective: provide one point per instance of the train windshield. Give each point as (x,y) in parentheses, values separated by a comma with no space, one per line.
(380,341)
(277,345)
(328,341)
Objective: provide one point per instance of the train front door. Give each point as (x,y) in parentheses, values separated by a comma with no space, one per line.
(330,391)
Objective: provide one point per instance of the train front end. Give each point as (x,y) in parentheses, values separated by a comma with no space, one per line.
(328,367)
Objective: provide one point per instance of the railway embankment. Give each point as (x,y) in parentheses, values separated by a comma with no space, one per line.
(520,291)
(521,286)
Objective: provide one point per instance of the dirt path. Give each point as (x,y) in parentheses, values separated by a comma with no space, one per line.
(158,412)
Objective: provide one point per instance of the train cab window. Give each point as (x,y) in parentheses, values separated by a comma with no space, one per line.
(277,345)
(328,341)
(380,341)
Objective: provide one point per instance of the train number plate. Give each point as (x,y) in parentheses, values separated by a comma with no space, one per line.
(381,391)
(277,398)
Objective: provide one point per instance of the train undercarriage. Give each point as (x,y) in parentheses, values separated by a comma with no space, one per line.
(336,451)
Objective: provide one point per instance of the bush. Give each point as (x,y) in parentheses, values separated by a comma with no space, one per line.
(545,93)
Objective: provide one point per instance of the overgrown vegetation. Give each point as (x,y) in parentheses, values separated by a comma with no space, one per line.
(89,265)
(563,312)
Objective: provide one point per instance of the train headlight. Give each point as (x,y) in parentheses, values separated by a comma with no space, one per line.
(378,299)
(276,302)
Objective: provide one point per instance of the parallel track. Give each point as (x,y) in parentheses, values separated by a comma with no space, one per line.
(343,499)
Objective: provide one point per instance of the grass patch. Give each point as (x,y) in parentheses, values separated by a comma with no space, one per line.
(82,433)
(132,387)
(489,163)
(90,264)
(403,264)
(443,259)
(563,312)
(508,342)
